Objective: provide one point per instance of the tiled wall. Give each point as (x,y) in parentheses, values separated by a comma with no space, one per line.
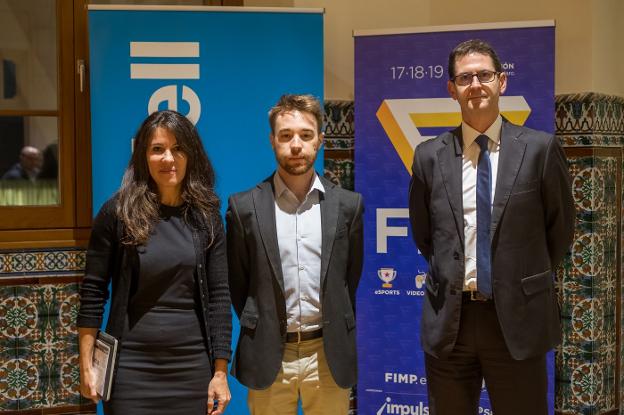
(589,360)
(588,280)
(38,337)
(339,138)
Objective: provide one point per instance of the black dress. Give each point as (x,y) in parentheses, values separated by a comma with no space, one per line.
(163,362)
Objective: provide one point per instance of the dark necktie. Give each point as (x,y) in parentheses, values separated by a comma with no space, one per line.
(484,217)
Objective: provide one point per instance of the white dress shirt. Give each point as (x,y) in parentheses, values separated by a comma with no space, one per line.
(299,238)
(470,159)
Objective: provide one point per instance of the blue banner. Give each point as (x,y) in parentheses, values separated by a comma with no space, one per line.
(224,69)
(401,100)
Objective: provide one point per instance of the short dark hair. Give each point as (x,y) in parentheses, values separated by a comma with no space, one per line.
(302,103)
(472,46)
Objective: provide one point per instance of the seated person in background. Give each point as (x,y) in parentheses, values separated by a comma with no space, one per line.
(28,166)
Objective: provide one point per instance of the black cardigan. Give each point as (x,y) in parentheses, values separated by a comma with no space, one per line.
(110,260)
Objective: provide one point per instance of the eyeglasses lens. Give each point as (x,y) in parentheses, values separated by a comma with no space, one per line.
(483,77)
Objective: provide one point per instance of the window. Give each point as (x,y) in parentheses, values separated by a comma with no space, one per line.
(42,111)
(29,104)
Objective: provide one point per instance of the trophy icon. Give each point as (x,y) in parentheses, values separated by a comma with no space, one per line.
(420,279)
(386,275)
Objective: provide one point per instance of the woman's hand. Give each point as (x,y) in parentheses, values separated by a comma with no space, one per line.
(218,389)
(87,376)
(87,384)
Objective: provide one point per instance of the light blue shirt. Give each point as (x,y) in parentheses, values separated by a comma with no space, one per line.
(299,237)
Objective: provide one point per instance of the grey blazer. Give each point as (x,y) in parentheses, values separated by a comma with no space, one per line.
(531,230)
(257,284)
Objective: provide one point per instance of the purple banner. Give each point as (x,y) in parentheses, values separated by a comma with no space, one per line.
(401,99)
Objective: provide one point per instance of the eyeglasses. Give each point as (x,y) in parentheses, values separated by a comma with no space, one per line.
(464,79)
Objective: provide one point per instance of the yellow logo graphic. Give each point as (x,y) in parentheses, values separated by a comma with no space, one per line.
(401,119)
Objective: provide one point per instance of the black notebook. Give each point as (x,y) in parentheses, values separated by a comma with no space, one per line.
(104,356)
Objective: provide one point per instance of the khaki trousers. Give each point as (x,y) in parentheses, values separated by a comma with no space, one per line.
(304,375)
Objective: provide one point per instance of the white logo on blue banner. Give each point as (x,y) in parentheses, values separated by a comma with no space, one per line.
(401,99)
(165,70)
(223,68)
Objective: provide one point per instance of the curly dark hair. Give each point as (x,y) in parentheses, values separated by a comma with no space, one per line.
(138,199)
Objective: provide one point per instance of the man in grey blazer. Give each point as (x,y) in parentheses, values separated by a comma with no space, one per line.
(295,258)
(492,212)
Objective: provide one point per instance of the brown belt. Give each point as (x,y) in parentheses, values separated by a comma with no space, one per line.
(474,296)
(301,336)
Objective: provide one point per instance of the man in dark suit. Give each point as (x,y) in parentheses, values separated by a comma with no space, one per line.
(295,258)
(28,167)
(492,212)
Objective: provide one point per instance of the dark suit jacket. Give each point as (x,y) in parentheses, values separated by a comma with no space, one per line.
(257,283)
(16,172)
(531,230)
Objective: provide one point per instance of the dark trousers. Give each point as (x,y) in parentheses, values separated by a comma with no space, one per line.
(454,384)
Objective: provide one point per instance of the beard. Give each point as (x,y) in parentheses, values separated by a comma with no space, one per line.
(298,169)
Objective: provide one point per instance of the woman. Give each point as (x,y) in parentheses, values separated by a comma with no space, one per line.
(160,241)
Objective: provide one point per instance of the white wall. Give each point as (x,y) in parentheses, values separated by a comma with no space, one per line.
(342,17)
(608,46)
(573,32)
(589,35)
(28,38)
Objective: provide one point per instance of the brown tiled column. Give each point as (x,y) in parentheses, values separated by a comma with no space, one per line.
(589,361)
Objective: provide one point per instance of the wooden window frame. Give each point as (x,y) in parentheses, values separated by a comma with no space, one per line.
(65,224)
